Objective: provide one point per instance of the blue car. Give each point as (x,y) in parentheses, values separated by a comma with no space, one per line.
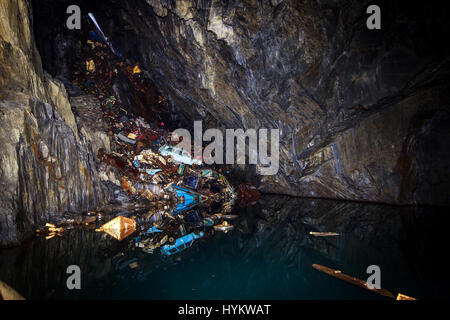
(181,243)
(191,199)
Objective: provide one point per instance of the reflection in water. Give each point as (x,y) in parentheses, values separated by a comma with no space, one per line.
(269,254)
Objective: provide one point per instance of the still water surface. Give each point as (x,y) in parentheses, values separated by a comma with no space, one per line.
(267,256)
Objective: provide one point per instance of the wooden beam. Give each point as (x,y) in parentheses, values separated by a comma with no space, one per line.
(357,282)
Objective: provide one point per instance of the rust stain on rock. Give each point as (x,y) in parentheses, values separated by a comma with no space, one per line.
(85,173)
(45,162)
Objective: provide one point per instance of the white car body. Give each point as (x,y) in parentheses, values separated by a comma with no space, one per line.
(179,155)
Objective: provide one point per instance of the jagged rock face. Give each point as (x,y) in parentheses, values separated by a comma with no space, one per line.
(356,108)
(47,164)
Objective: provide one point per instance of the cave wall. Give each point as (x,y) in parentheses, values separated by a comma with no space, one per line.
(346,99)
(47,164)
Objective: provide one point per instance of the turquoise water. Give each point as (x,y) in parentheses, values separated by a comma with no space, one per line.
(267,256)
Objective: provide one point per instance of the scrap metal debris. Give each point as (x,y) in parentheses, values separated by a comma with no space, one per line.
(50,230)
(224,226)
(119,228)
(180,199)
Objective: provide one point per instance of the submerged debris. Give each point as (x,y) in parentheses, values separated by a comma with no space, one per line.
(119,228)
(50,230)
(404,297)
(8,293)
(357,282)
(224,226)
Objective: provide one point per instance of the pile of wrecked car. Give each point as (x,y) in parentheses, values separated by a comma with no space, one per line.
(184,200)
